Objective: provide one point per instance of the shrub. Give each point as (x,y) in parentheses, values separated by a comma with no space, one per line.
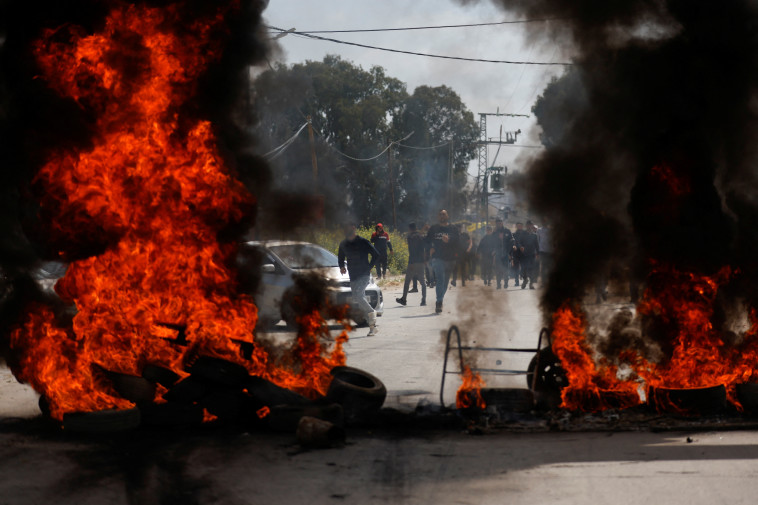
(330,239)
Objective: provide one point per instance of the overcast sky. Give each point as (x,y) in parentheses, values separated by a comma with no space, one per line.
(484,87)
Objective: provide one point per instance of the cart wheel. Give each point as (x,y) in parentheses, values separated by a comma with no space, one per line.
(551,377)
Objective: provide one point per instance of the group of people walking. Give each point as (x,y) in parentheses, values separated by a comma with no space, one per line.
(451,252)
(442,253)
(519,255)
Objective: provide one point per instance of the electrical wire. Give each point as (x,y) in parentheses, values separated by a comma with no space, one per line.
(407,28)
(428,55)
(277,151)
(373,157)
(419,148)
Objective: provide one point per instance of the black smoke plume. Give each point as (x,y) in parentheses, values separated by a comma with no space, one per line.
(658,157)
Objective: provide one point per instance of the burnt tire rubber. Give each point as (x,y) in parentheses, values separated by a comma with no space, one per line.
(509,399)
(160,375)
(688,401)
(171,414)
(551,376)
(747,394)
(102,421)
(133,388)
(188,390)
(269,394)
(360,393)
(44,405)
(218,371)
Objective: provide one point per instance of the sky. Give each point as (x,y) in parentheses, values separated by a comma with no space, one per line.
(483,87)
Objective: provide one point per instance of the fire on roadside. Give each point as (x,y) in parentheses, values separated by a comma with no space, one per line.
(677,308)
(156,189)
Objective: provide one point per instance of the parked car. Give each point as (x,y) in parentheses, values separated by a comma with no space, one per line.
(283,260)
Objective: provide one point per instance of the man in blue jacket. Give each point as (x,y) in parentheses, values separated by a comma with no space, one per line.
(356,250)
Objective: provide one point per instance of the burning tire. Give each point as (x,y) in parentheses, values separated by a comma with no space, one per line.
(102,421)
(688,401)
(160,375)
(218,371)
(546,377)
(747,394)
(509,399)
(133,388)
(360,393)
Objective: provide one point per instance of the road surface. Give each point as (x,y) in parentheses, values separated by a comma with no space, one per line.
(41,466)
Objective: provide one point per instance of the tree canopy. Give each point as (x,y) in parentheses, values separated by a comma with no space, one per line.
(358,112)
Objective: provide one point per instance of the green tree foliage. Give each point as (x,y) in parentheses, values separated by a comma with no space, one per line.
(436,115)
(358,112)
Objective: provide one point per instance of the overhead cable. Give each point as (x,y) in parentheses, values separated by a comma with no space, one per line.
(428,55)
(373,157)
(407,28)
(420,148)
(276,152)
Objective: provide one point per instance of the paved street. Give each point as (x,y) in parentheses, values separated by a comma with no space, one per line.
(212,467)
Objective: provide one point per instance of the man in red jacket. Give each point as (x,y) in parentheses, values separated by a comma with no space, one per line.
(381,241)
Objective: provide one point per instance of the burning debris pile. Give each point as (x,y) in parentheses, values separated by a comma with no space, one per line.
(144,204)
(652,182)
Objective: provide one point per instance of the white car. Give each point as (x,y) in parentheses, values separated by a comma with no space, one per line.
(283,260)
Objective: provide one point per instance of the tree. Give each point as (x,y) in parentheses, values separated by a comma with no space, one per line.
(437,116)
(359,112)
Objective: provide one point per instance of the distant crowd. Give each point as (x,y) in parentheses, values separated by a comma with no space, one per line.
(445,253)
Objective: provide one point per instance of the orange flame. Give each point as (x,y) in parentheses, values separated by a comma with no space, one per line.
(591,386)
(263,412)
(155,183)
(470,393)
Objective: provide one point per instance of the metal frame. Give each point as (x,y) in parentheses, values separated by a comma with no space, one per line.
(488,371)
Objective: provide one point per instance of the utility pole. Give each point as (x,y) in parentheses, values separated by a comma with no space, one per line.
(314,162)
(392,186)
(484,169)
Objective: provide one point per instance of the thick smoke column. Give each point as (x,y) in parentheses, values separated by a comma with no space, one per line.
(657,159)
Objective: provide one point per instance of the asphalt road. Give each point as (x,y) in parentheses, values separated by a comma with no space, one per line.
(207,466)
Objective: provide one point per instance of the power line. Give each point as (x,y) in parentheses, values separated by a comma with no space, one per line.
(414,53)
(407,28)
(394,142)
(277,151)
(419,148)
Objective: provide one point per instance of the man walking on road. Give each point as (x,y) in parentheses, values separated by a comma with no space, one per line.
(381,241)
(486,253)
(415,271)
(356,250)
(443,245)
(528,252)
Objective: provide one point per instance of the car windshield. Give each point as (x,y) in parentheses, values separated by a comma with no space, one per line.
(300,256)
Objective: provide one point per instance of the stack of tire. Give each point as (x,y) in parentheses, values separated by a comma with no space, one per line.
(224,393)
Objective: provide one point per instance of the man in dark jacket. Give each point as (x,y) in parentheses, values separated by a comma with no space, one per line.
(356,250)
(516,264)
(461,260)
(443,246)
(528,252)
(503,253)
(416,259)
(381,241)
(486,253)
